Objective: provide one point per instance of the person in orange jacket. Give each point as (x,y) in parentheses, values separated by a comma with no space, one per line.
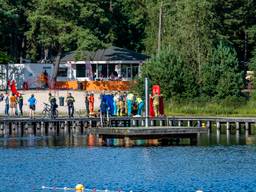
(91,103)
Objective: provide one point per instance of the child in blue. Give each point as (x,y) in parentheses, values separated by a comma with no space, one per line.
(32,106)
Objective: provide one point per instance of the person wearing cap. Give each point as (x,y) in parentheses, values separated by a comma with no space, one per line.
(70,100)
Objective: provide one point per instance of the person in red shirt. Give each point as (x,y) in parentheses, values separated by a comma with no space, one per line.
(91,103)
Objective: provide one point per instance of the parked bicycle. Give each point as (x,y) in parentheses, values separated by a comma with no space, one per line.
(48,113)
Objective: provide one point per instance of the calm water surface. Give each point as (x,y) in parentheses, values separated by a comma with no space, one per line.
(29,163)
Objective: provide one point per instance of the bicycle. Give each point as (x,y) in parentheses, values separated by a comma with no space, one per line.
(47,112)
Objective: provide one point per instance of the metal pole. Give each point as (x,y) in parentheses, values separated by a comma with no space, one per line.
(146,103)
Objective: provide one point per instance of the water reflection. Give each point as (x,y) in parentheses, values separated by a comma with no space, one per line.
(92,140)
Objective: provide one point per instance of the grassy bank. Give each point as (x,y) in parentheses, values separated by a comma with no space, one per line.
(213,108)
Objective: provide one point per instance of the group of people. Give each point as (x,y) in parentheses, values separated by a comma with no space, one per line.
(112,104)
(121,104)
(13,102)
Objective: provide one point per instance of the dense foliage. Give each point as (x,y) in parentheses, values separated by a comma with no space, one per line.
(206,45)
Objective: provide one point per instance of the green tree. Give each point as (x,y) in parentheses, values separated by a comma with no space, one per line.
(168,70)
(186,26)
(4,58)
(129,20)
(222,77)
(7,18)
(64,25)
(235,21)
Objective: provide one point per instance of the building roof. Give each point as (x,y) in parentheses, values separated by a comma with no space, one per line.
(108,54)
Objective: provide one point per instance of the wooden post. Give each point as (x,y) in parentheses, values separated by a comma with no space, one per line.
(78,127)
(19,129)
(26,126)
(38,129)
(161,123)
(14,129)
(85,125)
(198,139)
(237,125)
(30,129)
(179,123)
(66,127)
(42,128)
(209,125)
(6,129)
(1,129)
(133,122)
(209,128)
(228,136)
(237,132)
(218,136)
(218,125)
(142,123)
(247,127)
(62,127)
(199,123)
(50,129)
(152,123)
(189,123)
(237,136)
(228,125)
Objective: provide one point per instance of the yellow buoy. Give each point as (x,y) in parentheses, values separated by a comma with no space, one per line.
(79,188)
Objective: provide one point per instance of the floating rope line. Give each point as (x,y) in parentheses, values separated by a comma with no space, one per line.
(74,189)
(88,190)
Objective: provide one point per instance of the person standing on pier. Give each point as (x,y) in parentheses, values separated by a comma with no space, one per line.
(140,104)
(86,101)
(115,103)
(91,103)
(32,106)
(156,98)
(13,104)
(70,103)
(7,104)
(20,101)
(129,102)
(52,101)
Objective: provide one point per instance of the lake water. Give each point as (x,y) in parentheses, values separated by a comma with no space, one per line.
(29,163)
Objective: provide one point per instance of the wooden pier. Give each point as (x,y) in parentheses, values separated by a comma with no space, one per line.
(162,129)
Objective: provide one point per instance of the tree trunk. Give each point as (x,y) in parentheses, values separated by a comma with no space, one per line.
(245,48)
(56,67)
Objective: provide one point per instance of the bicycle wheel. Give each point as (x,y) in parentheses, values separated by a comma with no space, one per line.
(44,113)
(56,113)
